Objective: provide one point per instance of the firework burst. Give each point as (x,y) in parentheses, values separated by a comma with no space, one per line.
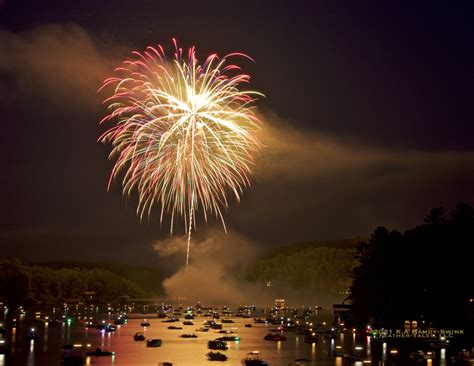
(185,134)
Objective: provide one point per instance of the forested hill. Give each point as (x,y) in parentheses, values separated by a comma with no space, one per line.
(317,270)
(148,279)
(335,244)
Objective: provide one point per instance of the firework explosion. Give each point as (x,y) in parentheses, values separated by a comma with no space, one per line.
(184,136)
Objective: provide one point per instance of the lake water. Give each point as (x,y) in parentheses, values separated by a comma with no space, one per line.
(187,352)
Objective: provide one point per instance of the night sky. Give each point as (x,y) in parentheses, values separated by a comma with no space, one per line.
(368,118)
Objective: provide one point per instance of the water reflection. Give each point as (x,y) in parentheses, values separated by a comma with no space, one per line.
(192,352)
(442,357)
(31,356)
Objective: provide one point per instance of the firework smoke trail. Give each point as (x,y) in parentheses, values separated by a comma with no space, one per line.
(185,135)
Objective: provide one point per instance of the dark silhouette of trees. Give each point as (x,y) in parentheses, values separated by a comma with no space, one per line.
(424,274)
(21,284)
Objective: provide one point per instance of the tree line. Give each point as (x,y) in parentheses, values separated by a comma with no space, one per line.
(318,270)
(22,284)
(423,274)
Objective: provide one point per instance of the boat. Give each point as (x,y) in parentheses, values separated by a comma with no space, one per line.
(110,328)
(216,356)
(119,321)
(300,362)
(71,356)
(153,342)
(354,357)
(32,335)
(419,356)
(228,321)
(188,322)
(95,325)
(145,323)
(217,344)
(225,331)
(171,320)
(259,321)
(99,353)
(174,327)
(228,339)
(55,322)
(311,337)
(275,337)
(139,337)
(3,345)
(248,325)
(253,359)
(188,336)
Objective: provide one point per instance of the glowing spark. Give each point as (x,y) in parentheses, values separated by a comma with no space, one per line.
(185,133)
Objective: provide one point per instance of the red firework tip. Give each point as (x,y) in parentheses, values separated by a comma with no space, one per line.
(240,54)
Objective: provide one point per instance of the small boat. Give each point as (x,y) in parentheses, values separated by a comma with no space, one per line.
(174,327)
(275,337)
(300,362)
(227,321)
(110,328)
(139,337)
(259,321)
(221,345)
(189,316)
(153,342)
(248,325)
(228,339)
(145,323)
(253,359)
(171,320)
(55,322)
(188,336)
(188,322)
(311,337)
(463,357)
(353,357)
(71,356)
(32,335)
(216,356)
(225,331)
(95,325)
(119,321)
(3,345)
(99,353)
